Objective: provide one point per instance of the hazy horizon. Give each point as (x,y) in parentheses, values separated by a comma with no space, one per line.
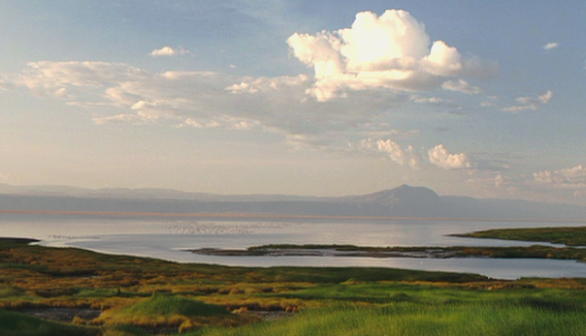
(310,98)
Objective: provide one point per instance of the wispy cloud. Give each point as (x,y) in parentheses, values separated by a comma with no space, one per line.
(461,86)
(550,45)
(567,178)
(529,103)
(544,98)
(204,99)
(168,51)
(5,83)
(430,100)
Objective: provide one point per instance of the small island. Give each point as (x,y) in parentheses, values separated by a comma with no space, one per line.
(574,237)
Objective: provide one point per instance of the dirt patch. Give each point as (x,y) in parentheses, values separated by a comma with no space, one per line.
(62,314)
(162,330)
(270,315)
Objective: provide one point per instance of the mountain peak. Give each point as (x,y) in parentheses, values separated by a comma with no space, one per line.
(403,194)
(406,189)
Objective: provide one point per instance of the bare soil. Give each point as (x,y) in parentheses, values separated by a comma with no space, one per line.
(62,314)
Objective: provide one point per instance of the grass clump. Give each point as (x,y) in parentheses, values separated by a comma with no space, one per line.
(169,310)
(9,292)
(169,305)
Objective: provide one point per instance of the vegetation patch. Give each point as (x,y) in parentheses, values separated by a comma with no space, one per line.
(570,236)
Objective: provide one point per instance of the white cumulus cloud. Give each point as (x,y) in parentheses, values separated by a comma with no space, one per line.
(392,150)
(443,60)
(392,51)
(442,158)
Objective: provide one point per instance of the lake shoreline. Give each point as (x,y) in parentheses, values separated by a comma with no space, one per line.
(440,253)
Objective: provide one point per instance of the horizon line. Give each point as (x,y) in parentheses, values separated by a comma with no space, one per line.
(277,216)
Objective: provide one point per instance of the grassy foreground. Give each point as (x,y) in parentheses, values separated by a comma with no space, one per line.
(141,296)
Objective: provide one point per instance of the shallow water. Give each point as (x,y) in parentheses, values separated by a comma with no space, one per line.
(167,238)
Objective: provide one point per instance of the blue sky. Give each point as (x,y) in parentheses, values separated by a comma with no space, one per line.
(474,98)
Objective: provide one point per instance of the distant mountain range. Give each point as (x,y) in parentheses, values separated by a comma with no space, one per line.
(404,201)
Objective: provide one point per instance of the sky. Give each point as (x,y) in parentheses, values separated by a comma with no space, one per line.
(326,98)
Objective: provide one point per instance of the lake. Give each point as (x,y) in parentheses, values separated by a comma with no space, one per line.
(166,238)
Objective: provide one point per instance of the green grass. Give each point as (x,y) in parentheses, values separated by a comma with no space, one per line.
(16,324)
(428,294)
(407,320)
(420,310)
(9,292)
(416,319)
(125,330)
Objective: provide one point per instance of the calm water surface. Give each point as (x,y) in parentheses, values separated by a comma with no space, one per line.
(166,239)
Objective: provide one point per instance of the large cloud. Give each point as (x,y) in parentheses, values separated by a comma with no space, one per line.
(392,51)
